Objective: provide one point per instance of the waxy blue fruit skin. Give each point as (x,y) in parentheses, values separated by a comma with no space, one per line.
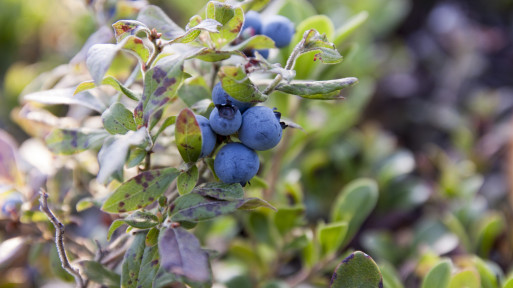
(208,137)
(225,120)
(260,129)
(236,163)
(280,29)
(253,20)
(219,96)
(11,204)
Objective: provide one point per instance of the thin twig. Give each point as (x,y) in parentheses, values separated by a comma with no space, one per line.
(290,64)
(59,239)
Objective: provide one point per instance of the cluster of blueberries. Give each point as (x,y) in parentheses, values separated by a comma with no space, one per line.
(279,28)
(258,127)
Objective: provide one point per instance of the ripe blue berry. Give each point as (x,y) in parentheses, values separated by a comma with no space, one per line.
(219,96)
(252,20)
(11,204)
(280,29)
(236,163)
(208,137)
(260,129)
(225,119)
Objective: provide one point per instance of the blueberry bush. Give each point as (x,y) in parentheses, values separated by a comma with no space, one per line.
(207,144)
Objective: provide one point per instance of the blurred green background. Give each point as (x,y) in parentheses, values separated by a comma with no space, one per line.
(430,119)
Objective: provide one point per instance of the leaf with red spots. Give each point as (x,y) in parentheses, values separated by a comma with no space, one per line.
(231,18)
(118,119)
(319,90)
(71,141)
(136,47)
(188,135)
(140,191)
(138,219)
(238,85)
(181,254)
(125,28)
(314,41)
(150,264)
(357,270)
(132,261)
(161,84)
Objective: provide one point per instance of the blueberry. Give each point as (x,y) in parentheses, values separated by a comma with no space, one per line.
(252,20)
(280,29)
(219,96)
(208,137)
(236,163)
(260,129)
(225,119)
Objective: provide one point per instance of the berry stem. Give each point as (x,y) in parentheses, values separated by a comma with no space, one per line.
(288,66)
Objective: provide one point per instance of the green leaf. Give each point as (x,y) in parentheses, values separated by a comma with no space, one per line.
(135,157)
(400,163)
(286,218)
(319,42)
(111,81)
(149,266)
(96,272)
(188,136)
(438,276)
(237,84)
(187,180)
(194,28)
(509,283)
(357,270)
(349,27)
(125,28)
(135,46)
(256,5)
(212,55)
(253,203)
(466,278)
(55,264)
(354,203)
(168,122)
(390,276)
(489,228)
(220,191)
(138,219)
(100,56)
(153,17)
(193,90)
(161,84)
(132,262)
(118,120)
(68,141)
(114,152)
(164,279)
(66,97)
(255,42)
(152,238)
(331,236)
(181,254)
(194,208)
(297,10)
(321,90)
(489,278)
(140,191)
(231,19)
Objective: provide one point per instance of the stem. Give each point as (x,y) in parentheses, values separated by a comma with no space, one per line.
(157,48)
(290,64)
(59,239)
